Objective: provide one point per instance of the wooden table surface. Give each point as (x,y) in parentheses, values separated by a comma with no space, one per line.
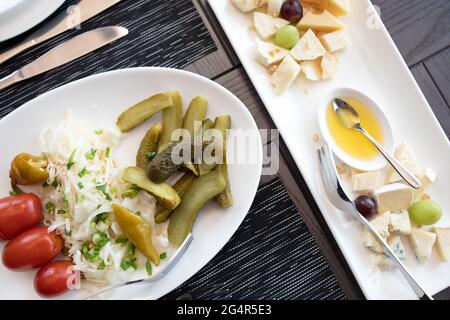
(421,30)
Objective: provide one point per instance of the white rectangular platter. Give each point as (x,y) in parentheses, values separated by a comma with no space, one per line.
(373,65)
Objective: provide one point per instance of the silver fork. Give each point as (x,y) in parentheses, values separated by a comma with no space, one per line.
(161,274)
(341,200)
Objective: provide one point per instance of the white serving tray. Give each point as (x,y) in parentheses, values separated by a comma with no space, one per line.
(371,64)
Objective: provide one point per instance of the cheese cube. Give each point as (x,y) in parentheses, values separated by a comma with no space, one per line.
(337,7)
(280,23)
(268,54)
(264,25)
(381,225)
(443,242)
(308,47)
(381,261)
(403,154)
(274,7)
(329,64)
(422,243)
(248,5)
(395,243)
(394,197)
(367,181)
(286,73)
(324,21)
(312,69)
(334,41)
(400,222)
(426,178)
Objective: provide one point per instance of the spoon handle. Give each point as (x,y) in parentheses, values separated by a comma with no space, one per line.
(401,170)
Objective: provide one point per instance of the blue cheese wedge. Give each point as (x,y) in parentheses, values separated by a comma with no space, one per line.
(394,197)
(422,243)
(443,242)
(427,177)
(264,25)
(395,243)
(381,261)
(334,41)
(274,7)
(381,225)
(404,154)
(268,54)
(400,222)
(367,181)
(308,47)
(285,75)
(248,5)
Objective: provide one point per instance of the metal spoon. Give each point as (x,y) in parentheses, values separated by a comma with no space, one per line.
(350,118)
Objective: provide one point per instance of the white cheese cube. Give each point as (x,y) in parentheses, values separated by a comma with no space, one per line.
(395,243)
(268,54)
(280,23)
(329,66)
(381,261)
(274,7)
(323,21)
(394,197)
(334,41)
(403,154)
(286,73)
(443,242)
(264,25)
(400,222)
(381,224)
(367,181)
(426,178)
(308,47)
(422,243)
(312,69)
(248,5)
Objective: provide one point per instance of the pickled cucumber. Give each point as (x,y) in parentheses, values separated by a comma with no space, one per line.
(162,166)
(165,194)
(172,119)
(201,190)
(143,110)
(180,187)
(148,146)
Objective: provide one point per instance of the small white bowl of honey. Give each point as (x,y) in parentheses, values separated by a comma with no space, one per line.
(348,144)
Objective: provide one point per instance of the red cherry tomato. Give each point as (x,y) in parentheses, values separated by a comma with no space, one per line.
(32,249)
(55,278)
(19,213)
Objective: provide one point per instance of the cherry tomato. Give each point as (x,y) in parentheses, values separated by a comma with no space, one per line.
(32,249)
(55,278)
(19,213)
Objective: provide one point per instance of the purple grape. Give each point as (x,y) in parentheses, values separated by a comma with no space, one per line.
(367,206)
(292,11)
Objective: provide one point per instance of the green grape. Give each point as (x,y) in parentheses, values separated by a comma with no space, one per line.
(425,212)
(287,37)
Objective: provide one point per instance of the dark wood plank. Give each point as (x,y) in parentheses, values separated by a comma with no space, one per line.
(439,68)
(433,95)
(419,28)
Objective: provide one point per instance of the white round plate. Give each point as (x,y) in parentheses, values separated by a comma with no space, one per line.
(18,16)
(100,99)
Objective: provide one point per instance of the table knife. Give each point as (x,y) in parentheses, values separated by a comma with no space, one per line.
(86,9)
(66,52)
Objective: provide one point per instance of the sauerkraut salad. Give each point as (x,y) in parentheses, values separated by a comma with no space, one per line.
(84,180)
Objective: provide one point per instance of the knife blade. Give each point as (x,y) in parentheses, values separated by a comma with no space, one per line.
(66,52)
(82,11)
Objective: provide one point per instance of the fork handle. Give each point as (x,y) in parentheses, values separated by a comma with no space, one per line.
(401,169)
(403,269)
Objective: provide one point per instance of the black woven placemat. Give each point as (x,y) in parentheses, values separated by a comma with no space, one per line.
(271,256)
(168,33)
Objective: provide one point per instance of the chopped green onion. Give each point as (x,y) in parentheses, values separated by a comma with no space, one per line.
(151,154)
(122,240)
(148,267)
(102,188)
(132,263)
(101,266)
(49,206)
(55,184)
(98,131)
(100,238)
(124,265)
(80,185)
(83,172)
(13,193)
(85,249)
(101,217)
(107,152)
(68,233)
(113,190)
(92,224)
(90,155)
(163,255)
(70,163)
(132,192)
(66,201)
(131,250)
(60,212)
